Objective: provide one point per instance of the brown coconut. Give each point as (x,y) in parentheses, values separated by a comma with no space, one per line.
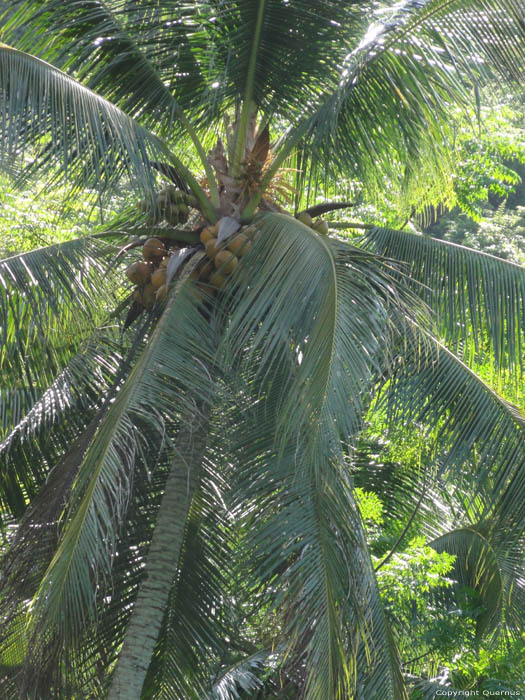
(149,295)
(207,235)
(225,261)
(139,272)
(158,278)
(212,248)
(218,279)
(153,250)
(239,244)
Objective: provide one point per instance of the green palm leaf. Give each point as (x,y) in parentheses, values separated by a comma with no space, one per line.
(102,486)
(317,285)
(53,420)
(387,116)
(51,299)
(477,566)
(446,396)
(106,49)
(75,131)
(306,363)
(475,295)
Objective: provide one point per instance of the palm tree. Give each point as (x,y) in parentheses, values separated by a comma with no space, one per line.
(170,477)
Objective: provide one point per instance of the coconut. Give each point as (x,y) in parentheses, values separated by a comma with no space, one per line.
(163,199)
(149,295)
(161,294)
(225,261)
(207,235)
(184,211)
(239,244)
(158,278)
(211,248)
(153,250)
(218,279)
(172,193)
(138,272)
(305,218)
(172,214)
(321,227)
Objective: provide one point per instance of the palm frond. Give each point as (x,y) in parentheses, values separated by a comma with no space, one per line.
(241,677)
(150,61)
(317,285)
(53,420)
(476,296)
(307,358)
(131,433)
(101,491)
(51,299)
(480,436)
(69,129)
(387,116)
(477,566)
(99,43)
(406,71)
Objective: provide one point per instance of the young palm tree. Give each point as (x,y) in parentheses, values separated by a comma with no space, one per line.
(166,486)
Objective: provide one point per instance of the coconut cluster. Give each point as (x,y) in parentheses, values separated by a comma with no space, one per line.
(149,274)
(223,257)
(169,204)
(319,225)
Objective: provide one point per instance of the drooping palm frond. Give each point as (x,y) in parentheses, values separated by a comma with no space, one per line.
(50,423)
(420,500)
(407,69)
(309,562)
(302,268)
(105,46)
(309,334)
(480,434)
(201,51)
(69,129)
(135,430)
(476,566)
(476,296)
(101,491)
(51,299)
(478,484)
(386,118)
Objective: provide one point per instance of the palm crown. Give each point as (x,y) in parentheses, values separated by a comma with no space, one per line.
(162,477)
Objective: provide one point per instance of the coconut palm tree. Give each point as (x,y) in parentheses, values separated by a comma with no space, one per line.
(179,464)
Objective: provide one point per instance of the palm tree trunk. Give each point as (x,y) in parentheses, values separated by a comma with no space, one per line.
(161,564)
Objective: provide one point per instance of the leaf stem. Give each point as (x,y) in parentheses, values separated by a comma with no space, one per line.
(248,105)
(206,207)
(210,175)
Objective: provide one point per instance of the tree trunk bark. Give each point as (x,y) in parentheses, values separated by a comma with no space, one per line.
(161,564)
